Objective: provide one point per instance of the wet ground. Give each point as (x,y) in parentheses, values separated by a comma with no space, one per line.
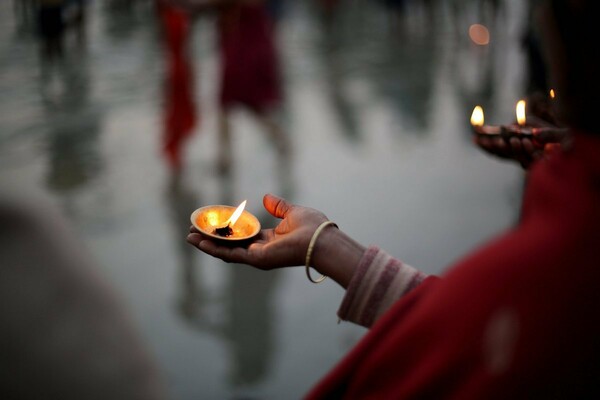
(377,110)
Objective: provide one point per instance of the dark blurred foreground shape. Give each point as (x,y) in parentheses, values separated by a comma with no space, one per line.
(64,333)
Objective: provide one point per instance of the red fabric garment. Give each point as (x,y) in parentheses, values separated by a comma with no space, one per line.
(179,106)
(519,318)
(249,65)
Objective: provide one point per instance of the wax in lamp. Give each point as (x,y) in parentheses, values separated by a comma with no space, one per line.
(226,222)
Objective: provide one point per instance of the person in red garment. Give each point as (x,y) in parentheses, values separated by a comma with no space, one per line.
(518,317)
(250,75)
(179,105)
(249,69)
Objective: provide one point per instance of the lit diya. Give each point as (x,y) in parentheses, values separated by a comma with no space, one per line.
(226,222)
(539,134)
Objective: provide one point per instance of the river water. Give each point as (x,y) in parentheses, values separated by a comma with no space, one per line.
(377,109)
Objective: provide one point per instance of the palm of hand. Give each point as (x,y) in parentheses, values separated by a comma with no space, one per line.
(283,246)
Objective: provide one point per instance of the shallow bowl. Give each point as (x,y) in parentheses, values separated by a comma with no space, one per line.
(207,219)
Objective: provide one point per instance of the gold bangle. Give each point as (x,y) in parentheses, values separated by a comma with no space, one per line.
(311,245)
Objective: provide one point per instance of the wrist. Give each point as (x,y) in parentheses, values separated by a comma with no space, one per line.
(336,255)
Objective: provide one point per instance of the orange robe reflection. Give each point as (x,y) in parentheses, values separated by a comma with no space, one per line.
(179,105)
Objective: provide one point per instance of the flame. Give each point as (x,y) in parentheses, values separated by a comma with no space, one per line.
(236,214)
(521,119)
(477,118)
(552,94)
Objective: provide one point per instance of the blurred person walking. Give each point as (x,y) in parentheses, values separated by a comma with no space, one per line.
(250,75)
(51,27)
(249,69)
(179,105)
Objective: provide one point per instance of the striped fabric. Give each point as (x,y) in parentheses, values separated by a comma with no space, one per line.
(378,282)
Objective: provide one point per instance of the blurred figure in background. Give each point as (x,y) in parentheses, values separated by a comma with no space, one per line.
(250,75)
(249,72)
(51,27)
(76,18)
(25,13)
(179,105)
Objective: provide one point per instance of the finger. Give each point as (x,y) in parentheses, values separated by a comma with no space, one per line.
(528,146)
(276,206)
(515,145)
(534,152)
(194,238)
(483,142)
(517,151)
(193,229)
(227,254)
(500,145)
(520,153)
(517,148)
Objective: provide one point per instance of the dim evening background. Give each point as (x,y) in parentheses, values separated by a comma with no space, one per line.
(377,106)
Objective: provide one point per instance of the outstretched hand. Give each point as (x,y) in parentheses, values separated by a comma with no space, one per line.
(283,246)
(524,151)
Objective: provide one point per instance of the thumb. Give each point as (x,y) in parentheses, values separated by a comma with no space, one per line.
(276,206)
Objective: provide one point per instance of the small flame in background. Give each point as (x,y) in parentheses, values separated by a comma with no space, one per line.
(521,119)
(552,94)
(236,214)
(479,34)
(477,118)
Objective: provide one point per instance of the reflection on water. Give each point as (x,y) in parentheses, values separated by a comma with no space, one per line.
(378,96)
(73,123)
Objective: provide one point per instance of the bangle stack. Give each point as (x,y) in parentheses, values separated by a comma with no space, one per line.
(311,245)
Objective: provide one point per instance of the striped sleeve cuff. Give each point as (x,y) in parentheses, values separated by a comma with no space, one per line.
(379,280)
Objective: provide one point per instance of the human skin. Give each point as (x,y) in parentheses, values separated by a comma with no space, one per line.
(520,150)
(335,254)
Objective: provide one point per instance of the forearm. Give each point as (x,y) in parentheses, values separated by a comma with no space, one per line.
(374,280)
(378,282)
